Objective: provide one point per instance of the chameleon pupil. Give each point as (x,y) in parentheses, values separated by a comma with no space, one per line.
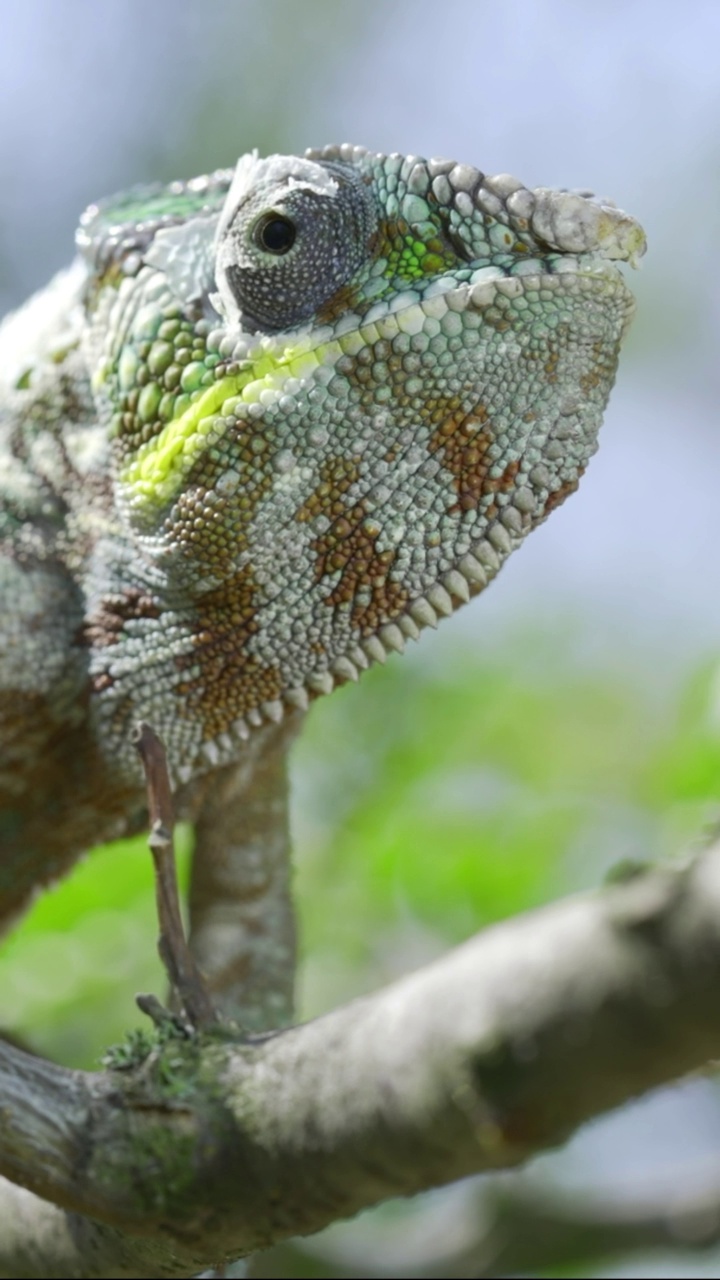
(277,235)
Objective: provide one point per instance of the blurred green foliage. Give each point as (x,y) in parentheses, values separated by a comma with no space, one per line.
(430,800)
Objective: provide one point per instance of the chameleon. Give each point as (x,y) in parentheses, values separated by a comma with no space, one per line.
(271,424)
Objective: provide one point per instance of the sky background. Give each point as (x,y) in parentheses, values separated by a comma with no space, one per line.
(622,98)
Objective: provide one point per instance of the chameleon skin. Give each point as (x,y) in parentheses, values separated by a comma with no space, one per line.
(270,425)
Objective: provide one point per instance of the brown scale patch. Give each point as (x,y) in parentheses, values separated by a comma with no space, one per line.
(106,625)
(548,353)
(336,477)
(344,299)
(361,376)
(604,364)
(213,533)
(550,366)
(498,319)
(589,381)
(559,496)
(601,372)
(232,681)
(349,547)
(463,441)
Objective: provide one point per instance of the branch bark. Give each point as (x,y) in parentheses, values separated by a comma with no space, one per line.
(210,1150)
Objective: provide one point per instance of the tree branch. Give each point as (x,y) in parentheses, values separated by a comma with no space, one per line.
(534,1232)
(515,1231)
(479,1061)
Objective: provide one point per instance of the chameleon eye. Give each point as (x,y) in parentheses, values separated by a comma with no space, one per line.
(291,234)
(275,233)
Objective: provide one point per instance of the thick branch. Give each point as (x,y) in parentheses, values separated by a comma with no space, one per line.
(477,1062)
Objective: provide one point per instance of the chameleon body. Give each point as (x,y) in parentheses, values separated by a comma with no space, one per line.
(268,426)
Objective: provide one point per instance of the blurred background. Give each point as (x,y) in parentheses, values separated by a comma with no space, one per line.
(570,717)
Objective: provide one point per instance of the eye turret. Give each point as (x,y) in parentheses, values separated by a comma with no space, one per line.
(291,234)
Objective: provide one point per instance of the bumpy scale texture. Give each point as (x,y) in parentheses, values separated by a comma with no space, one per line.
(268,426)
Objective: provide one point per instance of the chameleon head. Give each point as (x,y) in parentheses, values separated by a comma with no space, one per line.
(342,389)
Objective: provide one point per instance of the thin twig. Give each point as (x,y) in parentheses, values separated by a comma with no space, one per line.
(185,978)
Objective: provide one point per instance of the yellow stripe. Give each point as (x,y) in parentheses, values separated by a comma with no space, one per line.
(160,466)
(170,454)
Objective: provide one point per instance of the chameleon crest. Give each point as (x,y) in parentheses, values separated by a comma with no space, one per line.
(281,421)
